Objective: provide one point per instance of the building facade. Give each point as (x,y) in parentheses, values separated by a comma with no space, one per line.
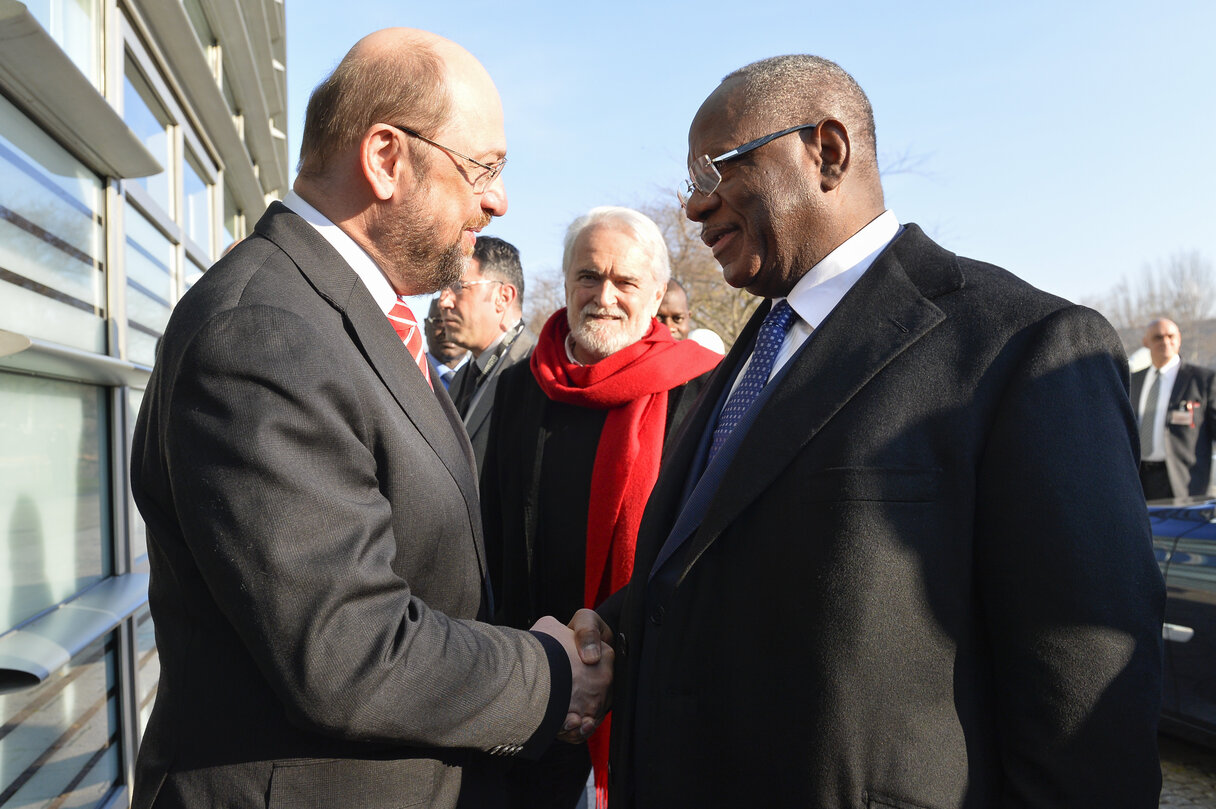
(138,139)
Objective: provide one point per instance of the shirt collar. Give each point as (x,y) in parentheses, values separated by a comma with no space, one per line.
(1173,363)
(487,353)
(363,264)
(824,285)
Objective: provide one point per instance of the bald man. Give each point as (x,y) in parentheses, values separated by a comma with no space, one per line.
(673,310)
(317,565)
(1175,407)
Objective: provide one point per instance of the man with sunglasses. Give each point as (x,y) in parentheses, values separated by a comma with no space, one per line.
(484,313)
(898,556)
(314,533)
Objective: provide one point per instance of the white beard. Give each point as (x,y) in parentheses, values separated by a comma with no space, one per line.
(602,338)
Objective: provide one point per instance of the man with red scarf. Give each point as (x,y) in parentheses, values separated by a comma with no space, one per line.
(575,444)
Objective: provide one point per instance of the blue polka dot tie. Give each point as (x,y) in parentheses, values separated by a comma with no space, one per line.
(768,342)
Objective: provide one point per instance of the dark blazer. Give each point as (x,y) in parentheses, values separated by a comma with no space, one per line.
(477,420)
(1188,447)
(926,579)
(316,555)
(524,419)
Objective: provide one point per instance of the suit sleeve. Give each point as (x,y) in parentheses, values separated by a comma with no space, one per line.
(1070,590)
(275,482)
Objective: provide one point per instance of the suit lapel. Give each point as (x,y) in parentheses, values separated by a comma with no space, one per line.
(667,497)
(1182,383)
(1135,385)
(435,419)
(480,414)
(884,314)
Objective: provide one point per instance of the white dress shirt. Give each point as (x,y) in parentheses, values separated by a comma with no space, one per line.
(1168,374)
(363,264)
(819,291)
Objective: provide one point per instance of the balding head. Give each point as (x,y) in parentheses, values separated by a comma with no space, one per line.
(1163,340)
(808,88)
(392,75)
(403,147)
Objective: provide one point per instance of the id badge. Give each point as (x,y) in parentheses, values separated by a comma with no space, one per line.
(1184,416)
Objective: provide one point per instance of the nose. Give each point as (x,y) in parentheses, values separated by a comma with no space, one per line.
(606,294)
(699,205)
(494,198)
(447,300)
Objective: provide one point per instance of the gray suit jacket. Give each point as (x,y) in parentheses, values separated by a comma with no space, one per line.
(1188,446)
(317,563)
(477,420)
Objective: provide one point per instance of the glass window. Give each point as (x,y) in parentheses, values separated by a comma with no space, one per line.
(147,664)
(54,493)
(76,26)
(59,743)
(139,535)
(148,256)
(196,204)
(52,244)
(150,124)
(193,273)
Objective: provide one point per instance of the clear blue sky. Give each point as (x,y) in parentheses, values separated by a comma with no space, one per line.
(1070,143)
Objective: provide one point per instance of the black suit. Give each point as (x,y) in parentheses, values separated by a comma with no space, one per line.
(536,487)
(925,579)
(315,542)
(1188,445)
(477,419)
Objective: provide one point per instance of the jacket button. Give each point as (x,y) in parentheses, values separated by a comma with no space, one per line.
(656,615)
(622,644)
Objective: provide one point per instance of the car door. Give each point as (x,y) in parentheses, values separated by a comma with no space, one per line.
(1190,616)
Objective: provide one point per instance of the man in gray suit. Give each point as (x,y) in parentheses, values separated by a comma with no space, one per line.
(483,312)
(313,531)
(1175,404)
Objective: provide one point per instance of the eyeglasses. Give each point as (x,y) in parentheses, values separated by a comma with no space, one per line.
(704,170)
(460,286)
(482,181)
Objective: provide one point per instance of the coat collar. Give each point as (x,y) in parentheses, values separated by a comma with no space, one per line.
(434,416)
(888,310)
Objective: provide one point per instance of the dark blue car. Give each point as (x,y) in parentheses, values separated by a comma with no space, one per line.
(1184,539)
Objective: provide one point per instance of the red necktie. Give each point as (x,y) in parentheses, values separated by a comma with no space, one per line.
(402,321)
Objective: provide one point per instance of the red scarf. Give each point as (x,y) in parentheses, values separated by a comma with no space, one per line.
(632,386)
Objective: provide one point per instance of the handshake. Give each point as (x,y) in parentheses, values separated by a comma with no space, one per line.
(586,641)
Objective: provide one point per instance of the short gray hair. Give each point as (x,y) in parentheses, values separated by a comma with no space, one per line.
(636,223)
(811,87)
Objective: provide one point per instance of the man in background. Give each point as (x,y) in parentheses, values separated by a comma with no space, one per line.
(313,523)
(483,312)
(447,357)
(673,310)
(1175,404)
(574,450)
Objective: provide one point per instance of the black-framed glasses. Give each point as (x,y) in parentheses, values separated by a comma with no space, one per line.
(458,287)
(482,181)
(703,172)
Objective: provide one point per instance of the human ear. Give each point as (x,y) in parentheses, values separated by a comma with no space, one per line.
(835,153)
(383,159)
(506,295)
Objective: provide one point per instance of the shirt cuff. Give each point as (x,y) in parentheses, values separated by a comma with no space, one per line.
(560,683)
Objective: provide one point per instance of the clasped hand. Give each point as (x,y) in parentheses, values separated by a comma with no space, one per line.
(586,641)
